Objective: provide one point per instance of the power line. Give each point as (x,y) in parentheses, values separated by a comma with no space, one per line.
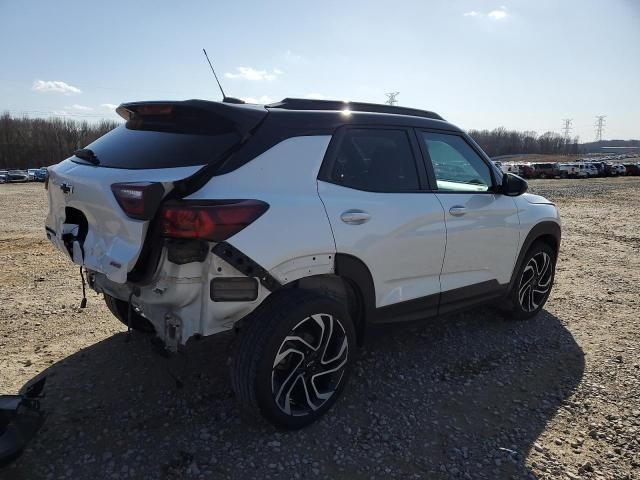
(392,98)
(599,127)
(566,128)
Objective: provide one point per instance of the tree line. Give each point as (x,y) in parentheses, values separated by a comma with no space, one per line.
(501,141)
(35,142)
(40,142)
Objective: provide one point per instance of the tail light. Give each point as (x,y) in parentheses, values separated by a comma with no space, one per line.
(213,222)
(138,200)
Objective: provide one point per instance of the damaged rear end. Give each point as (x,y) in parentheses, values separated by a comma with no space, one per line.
(116,207)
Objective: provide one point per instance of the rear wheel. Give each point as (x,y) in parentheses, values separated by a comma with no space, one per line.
(293,358)
(534,281)
(120,310)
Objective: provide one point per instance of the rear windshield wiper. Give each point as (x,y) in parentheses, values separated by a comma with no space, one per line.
(88,155)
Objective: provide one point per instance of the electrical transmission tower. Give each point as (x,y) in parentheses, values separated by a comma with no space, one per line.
(392,98)
(599,127)
(567,126)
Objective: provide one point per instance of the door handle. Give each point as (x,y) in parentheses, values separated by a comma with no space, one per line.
(355,217)
(457,210)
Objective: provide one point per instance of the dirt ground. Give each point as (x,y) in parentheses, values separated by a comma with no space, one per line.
(469,396)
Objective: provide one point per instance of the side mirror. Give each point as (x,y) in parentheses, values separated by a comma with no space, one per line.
(513,185)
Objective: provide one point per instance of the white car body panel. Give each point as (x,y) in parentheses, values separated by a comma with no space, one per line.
(295,226)
(402,245)
(114,240)
(532,210)
(482,244)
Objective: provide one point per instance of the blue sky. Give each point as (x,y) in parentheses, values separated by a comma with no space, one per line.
(480,64)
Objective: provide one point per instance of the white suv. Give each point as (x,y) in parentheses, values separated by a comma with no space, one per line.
(297,224)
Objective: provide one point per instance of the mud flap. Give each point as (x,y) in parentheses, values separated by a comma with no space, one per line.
(20,420)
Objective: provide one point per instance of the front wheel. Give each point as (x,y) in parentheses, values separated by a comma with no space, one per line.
(293,358)
(534,281)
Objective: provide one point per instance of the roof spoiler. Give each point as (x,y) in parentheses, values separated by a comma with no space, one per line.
(310,104)
(243,118)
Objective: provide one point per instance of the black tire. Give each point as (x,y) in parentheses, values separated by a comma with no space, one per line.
(537,270)
(120,310)
(260,383)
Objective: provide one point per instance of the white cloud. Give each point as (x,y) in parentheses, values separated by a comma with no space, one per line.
(109,106)
(264,99)
(248,73)
(54,86)
(497,14)
(78,108)
(315,96)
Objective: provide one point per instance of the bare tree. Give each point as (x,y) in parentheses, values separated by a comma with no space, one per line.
(37,142)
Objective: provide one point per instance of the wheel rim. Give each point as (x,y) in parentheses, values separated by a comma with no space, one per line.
(535,282)
(309,365)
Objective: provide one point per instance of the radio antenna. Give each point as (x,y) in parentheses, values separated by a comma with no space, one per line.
(224,97)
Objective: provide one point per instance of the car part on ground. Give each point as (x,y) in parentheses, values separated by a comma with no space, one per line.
(20,420)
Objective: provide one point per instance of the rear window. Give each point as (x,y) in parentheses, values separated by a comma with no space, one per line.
(125,147)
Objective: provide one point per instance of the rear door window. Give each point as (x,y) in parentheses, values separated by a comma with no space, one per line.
(375,160)
(124,147)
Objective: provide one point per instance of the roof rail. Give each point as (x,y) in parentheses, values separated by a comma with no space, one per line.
(310,104)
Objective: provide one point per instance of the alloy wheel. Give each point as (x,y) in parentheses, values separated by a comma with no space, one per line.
(535,282)
(309,365)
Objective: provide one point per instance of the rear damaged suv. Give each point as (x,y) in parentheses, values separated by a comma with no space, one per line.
(296,224)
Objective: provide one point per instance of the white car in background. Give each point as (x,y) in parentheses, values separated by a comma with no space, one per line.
(297,225)
(568,170)
(587,170)
(622,170)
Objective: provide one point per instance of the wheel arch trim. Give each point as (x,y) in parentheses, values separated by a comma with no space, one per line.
(544,231)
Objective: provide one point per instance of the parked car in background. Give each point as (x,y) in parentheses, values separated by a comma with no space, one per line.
(527,171)
(31,173)
(610,170)
(622,170)
(547,170)
(601,167)
(586,170)
(40,175)
(632,168)
(3,178)
(568,170)
(15,176)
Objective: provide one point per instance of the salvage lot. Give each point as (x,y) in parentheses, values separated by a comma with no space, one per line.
(469,396)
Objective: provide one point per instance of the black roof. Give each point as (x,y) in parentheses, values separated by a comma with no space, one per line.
(310,104)
(299,116)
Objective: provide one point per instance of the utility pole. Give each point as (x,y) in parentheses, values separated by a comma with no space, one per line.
(392,98)
(566,128)
(599,127)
